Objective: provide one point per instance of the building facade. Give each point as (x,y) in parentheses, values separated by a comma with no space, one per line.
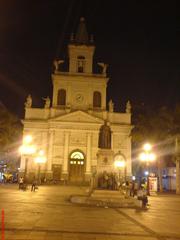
(68,128)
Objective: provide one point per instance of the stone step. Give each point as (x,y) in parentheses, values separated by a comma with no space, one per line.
(123,203)
(107,195)
(112,192)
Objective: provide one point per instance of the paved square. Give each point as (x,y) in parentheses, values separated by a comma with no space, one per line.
(48,214)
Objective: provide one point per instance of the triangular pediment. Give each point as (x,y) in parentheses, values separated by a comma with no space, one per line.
(78,116)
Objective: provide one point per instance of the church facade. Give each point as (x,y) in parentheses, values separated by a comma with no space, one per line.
(68,129)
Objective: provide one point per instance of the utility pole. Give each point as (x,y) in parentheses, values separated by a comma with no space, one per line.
(177,156)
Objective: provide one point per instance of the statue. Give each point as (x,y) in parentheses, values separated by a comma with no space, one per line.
(105,137)
(47,102)
(111,106)
(57,63)
(28,102)
(104,67)
(128,107)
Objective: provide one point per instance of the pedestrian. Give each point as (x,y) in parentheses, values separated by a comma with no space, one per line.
(136,186)
(34,185)
(132,189)
(21,182)
(127,188)
(142,195)
(110,181)
(45,180)
(106,178)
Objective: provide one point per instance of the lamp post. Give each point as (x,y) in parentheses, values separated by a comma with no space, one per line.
(120,164)
(40,159)
(27,149)
(147,156)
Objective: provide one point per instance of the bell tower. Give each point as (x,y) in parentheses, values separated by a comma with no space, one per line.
(80,88)
(81,50)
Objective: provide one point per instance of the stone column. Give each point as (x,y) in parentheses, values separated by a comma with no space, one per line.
(41,169)
(22,164)
(65,162)
(88,159)
(44,147)
(50,155)
(128,157)
(112,140)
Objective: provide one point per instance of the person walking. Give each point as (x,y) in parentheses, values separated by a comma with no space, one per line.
(21,182)
(127,188)
(131,184)
(142,195)
(136,187)
(34,185)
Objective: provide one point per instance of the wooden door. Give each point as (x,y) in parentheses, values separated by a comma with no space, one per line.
(56,168)
(76,170)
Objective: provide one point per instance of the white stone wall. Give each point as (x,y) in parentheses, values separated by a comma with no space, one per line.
(75,84)
(83,50)
(59,139)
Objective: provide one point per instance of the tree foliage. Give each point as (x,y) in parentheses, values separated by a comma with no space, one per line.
(154,125)
(10,130)
(176,122)
(159,127)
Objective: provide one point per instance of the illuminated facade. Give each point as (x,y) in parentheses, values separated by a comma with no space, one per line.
(68,128)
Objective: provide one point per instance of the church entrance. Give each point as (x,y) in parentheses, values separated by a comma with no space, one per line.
(76,167)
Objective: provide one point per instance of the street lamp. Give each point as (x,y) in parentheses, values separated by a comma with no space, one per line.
(40,159)
(147,156)
(120,164)
(26,150)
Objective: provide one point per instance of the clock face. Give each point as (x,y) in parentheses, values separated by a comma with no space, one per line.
(79,98)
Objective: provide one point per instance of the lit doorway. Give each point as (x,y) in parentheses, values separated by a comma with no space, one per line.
(76,167)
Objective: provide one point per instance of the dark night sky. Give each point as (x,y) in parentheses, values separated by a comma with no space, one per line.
(138,39)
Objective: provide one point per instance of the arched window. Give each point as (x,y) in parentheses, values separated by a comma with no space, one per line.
(77,155)
(97,99)
(61,100)
(80,64)
(76,158)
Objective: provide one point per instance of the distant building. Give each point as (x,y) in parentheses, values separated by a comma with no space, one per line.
(68,128)
(169,178)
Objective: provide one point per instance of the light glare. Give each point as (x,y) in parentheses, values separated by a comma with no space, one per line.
(40,159)
(27,150)
(147,147)
(119,164)
(152,157)
(27,139)
(41,152)
(143,157)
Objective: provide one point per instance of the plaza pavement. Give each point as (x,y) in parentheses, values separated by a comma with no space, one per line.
(48,215)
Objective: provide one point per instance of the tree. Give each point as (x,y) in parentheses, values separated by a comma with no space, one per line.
(176,120)
(10,134)
(154,126)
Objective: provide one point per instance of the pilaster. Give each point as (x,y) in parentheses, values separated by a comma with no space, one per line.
(66,148)
(88,159)
(50,154)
